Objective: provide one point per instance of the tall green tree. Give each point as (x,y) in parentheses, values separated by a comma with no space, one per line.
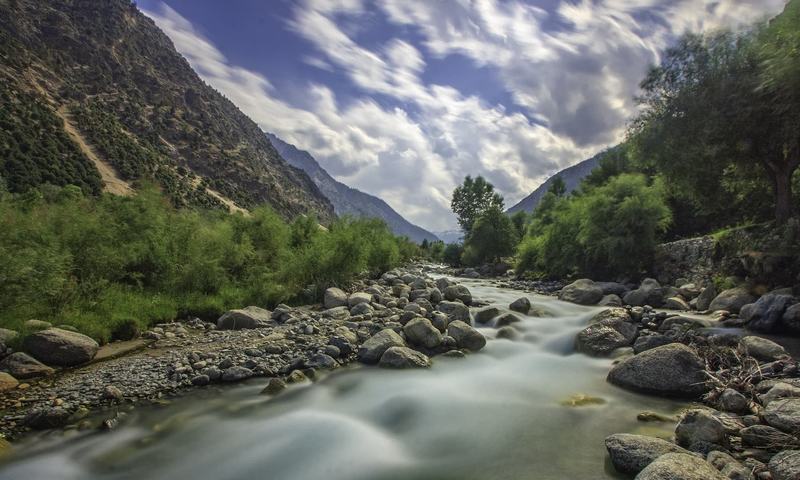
(558,187)
(471,199)
(493,236)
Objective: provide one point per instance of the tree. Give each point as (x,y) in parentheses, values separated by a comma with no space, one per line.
(520,221)
(471,199)
(493,236)
(452,254)
(558,187)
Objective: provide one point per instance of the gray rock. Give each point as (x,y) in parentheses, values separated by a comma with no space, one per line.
(785,465)
(706,297)
(610,300)
(680,466)
(521,305)
(337,313)
(458,292)
(648,342)
(606,335)
(728,466)
(486,314)
(697,426)
(761,348)
(632,453)
(236,373)
(454,311)
(676,303)
(7,382)
(201,380)
(362,308)
(440,321)
(23,366)
(732,300)
(766,314)
(47,418)
(420,331)
(274,386)
(767,438)
(60,347)
(791,319)
(420,294)
(335,297)
(442,283)
(612,288)
(436,296)
(784,415)
(732,401)
(466,336)
(673,370)
(404,357)
(506,319)
(648,293)
(779,390)
(249,317)
(359,297)
(322,361)
(509,333)
(680,322)
(371,351)
(582,292)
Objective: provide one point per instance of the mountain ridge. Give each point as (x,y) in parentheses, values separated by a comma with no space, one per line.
(345,199)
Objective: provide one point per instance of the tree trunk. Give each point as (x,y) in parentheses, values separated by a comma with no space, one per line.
(783,196)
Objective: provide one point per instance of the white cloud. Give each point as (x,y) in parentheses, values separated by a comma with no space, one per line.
(573,68)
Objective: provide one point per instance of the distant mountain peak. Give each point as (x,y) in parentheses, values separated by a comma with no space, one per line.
(347,200)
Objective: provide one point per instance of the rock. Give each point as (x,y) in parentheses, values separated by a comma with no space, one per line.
(362,309)
(436,295)
(705,298)
(673,370)
(236,373)
(371,351)
(732,401)
(732,300)
(458,292)
(322,361)
(784,415)
(601,338)
(582,292)
(612,288)
(699,425)
(274,386)
(766,314)
(521,305)
(791,319)
(442,283)
(779,390)
(201,380)
(506,320)
(37,325)
(440,321)
(509,333)
(454,311)
(334,297)
(684,323)
(420,331)
(632,453)
(7,382)
(113,393)
(680,466)
(60,347)
(250,317)
(785,465)
(610,300)
(648,293)
(486,314)
(728,466)
(676,303)
(359,297)
(404,357)
(761,348)
(337,313)
(46,418)
(767,438)
(466,336)
(648,342)
(7,335)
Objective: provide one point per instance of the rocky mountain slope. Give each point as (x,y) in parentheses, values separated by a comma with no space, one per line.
(346,200)
(94,94)
(572,177)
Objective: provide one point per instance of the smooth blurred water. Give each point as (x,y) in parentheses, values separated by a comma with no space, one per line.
(492,415)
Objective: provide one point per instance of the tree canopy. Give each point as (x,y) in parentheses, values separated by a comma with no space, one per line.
(471,199)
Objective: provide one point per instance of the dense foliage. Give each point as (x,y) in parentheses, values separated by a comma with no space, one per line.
(100,264)
(471,199)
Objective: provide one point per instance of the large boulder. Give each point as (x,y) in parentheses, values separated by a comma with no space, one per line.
(249,317)
(766,314)
(420,331)
(703,301)
(673,370)
(7,382)
(784,415)
(335,297)
(699,426)
(612,288)
(606,335)
(732,300)
(680,466)
(64,348)
(582,292)
(761,348)
(458,292)
(23,366)
(632,453)
(404,357)
(486,314)
(785,465)
(373,349)
(466,336)
(648,293)
(358,297)
(454,311)
(521,305)
(791,319)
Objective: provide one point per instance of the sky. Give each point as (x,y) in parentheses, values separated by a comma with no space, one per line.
(403,98)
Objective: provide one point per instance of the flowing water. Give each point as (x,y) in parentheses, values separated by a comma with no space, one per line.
(492,415)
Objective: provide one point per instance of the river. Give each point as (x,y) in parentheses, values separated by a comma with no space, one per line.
(492,415)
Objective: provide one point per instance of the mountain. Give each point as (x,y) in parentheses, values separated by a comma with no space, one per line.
(572,177)
(94,94)
(346,200)
(450,236)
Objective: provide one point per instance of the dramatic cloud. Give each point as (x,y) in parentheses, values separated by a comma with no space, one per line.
(570,69)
